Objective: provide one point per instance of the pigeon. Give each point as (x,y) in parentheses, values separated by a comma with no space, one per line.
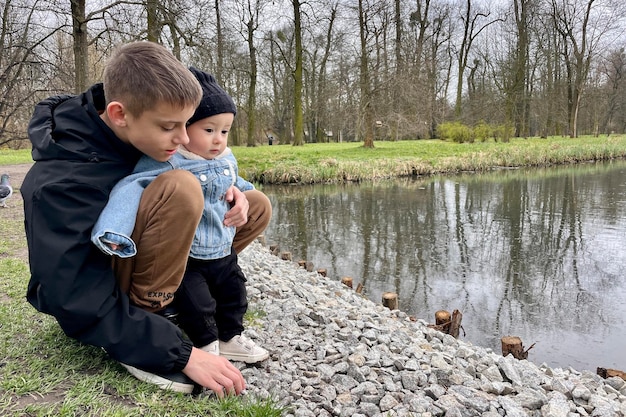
(5,190)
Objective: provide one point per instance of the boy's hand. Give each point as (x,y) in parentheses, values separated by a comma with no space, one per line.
(238,214)
(215,373)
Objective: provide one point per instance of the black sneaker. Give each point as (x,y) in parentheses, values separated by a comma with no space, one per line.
(175,381)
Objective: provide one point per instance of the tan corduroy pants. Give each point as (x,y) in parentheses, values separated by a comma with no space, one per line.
(169,212)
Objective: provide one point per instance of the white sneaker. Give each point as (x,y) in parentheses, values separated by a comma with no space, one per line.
(175,381)
(213,347)
(240,348)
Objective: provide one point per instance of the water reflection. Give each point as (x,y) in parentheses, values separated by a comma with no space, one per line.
(533,253)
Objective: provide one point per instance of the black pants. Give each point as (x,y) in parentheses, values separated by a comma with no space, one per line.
(212,300)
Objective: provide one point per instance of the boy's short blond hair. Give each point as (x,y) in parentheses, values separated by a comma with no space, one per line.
(142,75)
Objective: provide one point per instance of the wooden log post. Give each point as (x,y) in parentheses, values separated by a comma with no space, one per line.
(274,248)
(442,320)
(390,300)
(309,266)
(347,281)
(514,346)
(285,256)
(455,324)
(359,288)
(302,263)
(608,373)
(322,272)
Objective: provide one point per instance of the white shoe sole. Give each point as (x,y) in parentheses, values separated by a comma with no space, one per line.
(242,357)
(163,383)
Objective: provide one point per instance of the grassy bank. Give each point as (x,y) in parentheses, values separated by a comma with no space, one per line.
(337,162)
(319,163)
(44,373)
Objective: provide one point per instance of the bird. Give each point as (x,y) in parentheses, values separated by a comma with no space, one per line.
(5,190)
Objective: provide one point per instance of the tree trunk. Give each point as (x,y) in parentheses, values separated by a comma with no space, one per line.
(220,43)
(154,29)
(81,57)
(364,84)
(298,116)
(516,106)
(251,25)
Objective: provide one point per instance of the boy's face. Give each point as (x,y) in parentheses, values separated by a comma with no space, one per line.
(208,137)
(158,132)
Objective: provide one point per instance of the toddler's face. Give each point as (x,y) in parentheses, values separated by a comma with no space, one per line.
(208,137)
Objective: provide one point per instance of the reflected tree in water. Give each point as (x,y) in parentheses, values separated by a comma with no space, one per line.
(531,253)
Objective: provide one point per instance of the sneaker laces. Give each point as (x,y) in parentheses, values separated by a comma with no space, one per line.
(245,342)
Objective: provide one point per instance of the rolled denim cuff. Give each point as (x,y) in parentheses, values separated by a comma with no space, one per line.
(126,246)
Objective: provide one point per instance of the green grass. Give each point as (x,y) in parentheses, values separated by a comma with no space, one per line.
(45,373)
(10,157)
(339,162)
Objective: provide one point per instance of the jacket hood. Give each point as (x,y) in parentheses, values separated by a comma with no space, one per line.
(69,127)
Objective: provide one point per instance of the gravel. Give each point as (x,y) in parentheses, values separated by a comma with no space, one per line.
(335,353)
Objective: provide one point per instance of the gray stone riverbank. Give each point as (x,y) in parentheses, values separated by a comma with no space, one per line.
(335,353)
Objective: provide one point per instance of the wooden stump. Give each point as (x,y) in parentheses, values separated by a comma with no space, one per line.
(347,281)
(455,324)
(359,288)
(390,300)
(302,263)
(442,320)
(285,256)
(608,373)
(308,266)
(448,323)
(322,271)
(274,248)
(514,346)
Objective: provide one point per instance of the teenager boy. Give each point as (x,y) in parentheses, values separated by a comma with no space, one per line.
(82,146)
(212,300)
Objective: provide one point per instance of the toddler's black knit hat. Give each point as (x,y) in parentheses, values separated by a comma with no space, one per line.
(214,99)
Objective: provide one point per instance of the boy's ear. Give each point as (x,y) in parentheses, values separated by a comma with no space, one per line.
(116,113)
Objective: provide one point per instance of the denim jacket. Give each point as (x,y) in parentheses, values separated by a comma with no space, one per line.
(212,240)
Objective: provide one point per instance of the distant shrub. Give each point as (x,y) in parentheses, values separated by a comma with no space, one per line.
(461,133)
(483,131)
(455,131)
(503,132)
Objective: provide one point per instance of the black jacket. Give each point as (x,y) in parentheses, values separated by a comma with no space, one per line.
(78,159)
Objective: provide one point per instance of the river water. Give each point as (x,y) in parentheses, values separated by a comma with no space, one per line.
(538,254)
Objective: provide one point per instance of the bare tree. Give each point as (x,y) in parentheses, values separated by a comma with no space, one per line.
(576,56)
(472,27)
(582,24)
(252,16)
(80,36)
(518,101)
(614,71)
(219,34)
(23,37)
(364,81)
(154,23)
(298,116)
(317,91)
(248,14)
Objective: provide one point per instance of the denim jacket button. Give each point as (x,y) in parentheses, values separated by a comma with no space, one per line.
(202,177)
(226,172)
